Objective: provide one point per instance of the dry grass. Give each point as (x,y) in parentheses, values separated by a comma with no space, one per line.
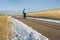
(4,31)
(53,14)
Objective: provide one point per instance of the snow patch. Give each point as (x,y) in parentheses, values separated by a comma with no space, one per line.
(20,31)
(49,20)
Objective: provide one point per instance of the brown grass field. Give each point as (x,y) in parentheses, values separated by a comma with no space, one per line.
(4,31)
(52,13)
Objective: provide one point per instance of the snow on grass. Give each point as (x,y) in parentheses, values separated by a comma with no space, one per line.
(20,31)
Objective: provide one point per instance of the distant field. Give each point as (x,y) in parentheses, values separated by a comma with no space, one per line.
(53,14)
(4,32)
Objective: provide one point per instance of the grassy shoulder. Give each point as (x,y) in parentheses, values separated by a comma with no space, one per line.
(4,27)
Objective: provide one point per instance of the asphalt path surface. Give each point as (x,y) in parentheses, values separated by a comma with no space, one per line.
(49,29)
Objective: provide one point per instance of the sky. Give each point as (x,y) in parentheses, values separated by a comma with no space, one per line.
(30,5)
